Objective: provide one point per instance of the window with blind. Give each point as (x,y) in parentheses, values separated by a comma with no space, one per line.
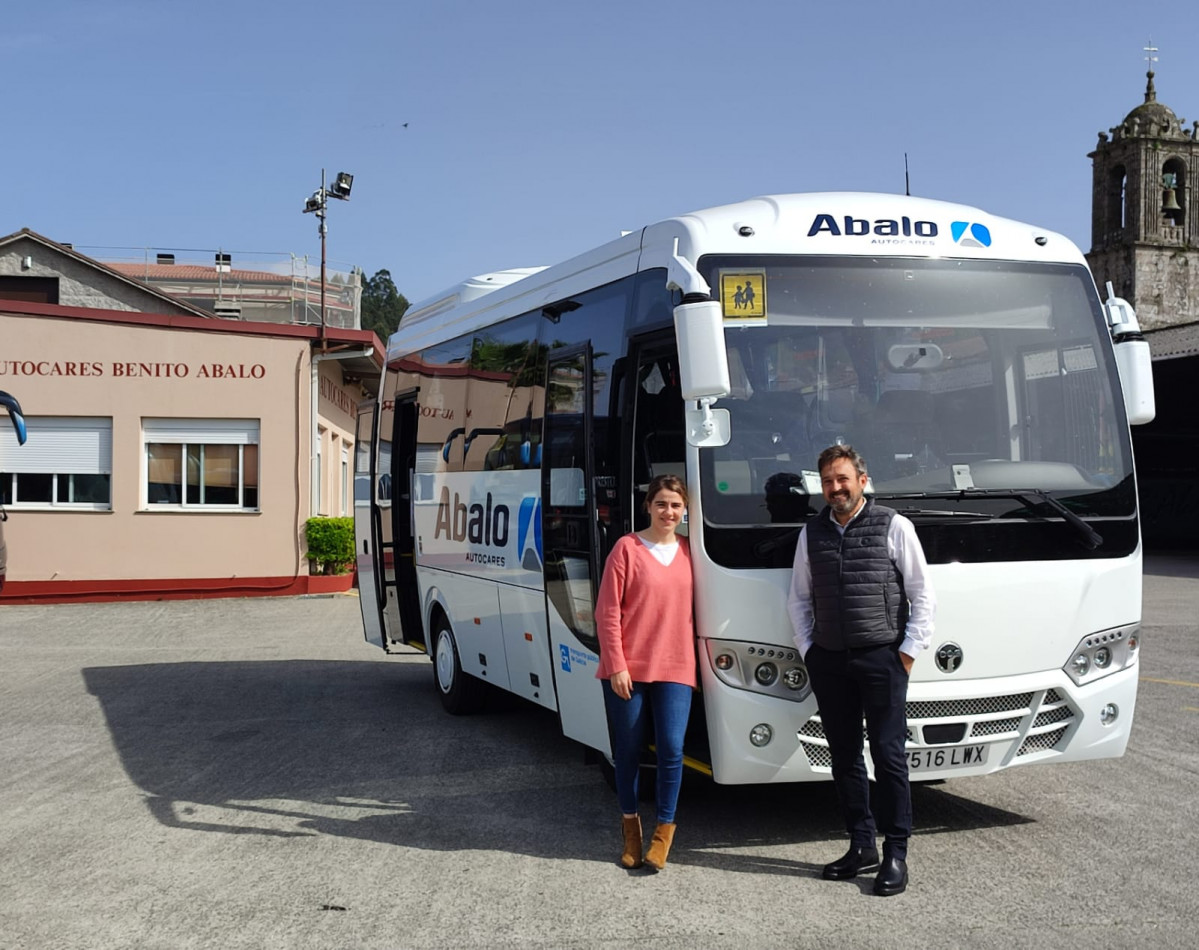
(65,463)
(207,464)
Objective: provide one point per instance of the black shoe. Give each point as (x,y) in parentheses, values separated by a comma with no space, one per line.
(851,864)
(892,878)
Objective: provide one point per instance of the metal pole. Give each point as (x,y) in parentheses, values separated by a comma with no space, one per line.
(324,230)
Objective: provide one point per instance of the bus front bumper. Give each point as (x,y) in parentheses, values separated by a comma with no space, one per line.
(961,728)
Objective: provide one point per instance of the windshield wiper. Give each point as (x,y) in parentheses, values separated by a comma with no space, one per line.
(943,513)
(1091,537)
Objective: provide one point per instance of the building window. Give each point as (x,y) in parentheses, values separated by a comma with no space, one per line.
(66,463)
(207,464)
(320,471)
(31,289)
(345,482)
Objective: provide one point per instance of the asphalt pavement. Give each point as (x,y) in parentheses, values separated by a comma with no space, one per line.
(250,773)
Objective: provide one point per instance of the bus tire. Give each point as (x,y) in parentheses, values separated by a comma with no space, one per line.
(460,693)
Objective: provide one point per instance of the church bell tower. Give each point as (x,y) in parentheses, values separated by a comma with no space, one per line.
(1144,215)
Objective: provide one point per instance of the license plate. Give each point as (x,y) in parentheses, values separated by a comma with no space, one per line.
(953,757)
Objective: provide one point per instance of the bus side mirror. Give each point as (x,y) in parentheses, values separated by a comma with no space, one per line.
(1134,362)
(703,370)
(703,359)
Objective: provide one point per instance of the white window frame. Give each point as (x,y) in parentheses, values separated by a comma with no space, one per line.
(58,446)
(198,433)
(345,481)
(320,471)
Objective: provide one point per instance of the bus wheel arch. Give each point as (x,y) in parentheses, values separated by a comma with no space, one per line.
(460,693)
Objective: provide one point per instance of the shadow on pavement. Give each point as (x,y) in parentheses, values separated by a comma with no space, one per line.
(363,750)
(1172,565)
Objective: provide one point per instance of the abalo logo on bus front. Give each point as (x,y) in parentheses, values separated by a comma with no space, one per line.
(970,234)
(903,230)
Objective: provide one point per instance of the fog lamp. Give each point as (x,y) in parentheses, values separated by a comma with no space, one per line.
(761,734)
(1109,714)
(796,678)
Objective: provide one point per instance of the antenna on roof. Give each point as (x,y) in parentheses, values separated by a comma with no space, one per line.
(907,183)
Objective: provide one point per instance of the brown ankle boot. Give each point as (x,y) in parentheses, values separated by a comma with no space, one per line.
(659,846)
(631,827)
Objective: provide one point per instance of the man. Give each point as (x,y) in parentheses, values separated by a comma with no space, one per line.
(862,607)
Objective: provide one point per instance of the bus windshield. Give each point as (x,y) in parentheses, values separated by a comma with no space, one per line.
(968,387)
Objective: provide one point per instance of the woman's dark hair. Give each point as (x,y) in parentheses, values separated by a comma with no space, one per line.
(666,483)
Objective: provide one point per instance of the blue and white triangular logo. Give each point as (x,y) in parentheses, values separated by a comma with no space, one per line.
(528,535)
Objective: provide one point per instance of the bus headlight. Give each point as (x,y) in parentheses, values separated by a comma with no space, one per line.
(769,669)
(766,673)
(1102,653)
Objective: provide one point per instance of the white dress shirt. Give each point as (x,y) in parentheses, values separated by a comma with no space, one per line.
(903,547)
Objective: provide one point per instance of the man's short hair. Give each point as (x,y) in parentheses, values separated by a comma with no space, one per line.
(834,452)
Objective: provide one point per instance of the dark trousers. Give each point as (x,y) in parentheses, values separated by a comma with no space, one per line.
(866,683)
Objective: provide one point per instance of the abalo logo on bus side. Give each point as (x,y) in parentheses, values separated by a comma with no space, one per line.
(485,524)
(528,535)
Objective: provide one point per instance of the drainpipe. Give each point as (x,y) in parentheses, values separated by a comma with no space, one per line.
(314,501)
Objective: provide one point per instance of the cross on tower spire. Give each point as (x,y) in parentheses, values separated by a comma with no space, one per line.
(1150,58)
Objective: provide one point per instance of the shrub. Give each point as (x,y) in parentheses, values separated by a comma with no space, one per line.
(331,544)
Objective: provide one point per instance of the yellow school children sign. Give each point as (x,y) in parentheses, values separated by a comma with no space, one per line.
(743,295)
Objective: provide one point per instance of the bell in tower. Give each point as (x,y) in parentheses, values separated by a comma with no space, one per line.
(1169,197)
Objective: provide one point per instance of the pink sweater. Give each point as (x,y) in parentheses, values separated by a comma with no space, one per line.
(643,615)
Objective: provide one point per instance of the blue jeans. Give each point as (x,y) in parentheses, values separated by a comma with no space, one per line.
(670,704)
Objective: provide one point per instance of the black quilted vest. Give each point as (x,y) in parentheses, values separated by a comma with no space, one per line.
(857,592)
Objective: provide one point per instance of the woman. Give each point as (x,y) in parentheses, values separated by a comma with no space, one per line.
(647,660)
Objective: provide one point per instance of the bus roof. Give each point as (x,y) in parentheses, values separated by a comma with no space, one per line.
(820,223)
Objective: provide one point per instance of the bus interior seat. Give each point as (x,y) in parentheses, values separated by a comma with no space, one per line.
(739,385)
(662,446)
(665,453)
(902,433)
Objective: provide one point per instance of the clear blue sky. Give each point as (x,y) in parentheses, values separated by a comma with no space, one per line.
(538,129)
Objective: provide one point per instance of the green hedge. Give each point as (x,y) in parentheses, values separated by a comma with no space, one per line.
(331,543)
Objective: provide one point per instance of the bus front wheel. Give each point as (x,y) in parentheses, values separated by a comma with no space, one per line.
(460,693)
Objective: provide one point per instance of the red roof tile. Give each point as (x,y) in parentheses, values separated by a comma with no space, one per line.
(199,272)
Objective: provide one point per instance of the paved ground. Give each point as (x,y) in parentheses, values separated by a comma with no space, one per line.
(248,773)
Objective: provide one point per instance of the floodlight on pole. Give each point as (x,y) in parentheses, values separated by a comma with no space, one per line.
(341,186)
(318,204)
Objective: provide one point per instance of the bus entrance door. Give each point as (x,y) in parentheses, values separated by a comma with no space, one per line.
(570,533)
(383,535)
